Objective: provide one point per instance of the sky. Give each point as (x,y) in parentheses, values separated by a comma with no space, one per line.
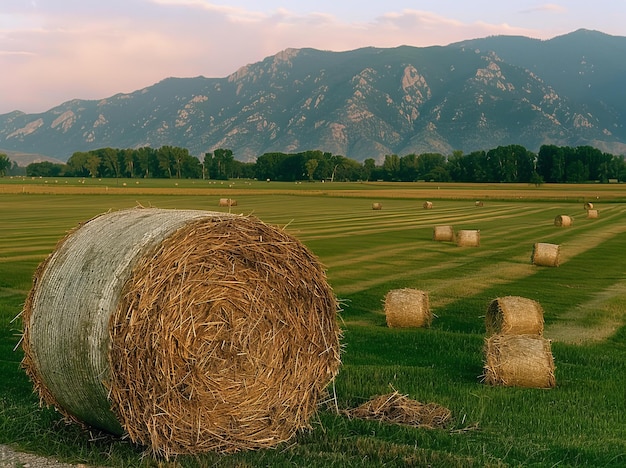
(52,51)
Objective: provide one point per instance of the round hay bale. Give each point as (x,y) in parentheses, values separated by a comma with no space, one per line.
(468,238)
(519,361)
(592,214)
(443,233)
(478,203)
(563,221)
(407,308)
(377,206)
(514,315)
(428,205)
(227,202)
(588,206)
(191,331)
(545,254)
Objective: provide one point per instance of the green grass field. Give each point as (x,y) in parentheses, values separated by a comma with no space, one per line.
(367,253)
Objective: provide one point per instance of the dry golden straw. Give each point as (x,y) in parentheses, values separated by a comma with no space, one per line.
(563,221)
(545,254)
(407,308)
(592,213)
(377,206)
(588,206)
(400,409)
(443,233)
(227,202)
(428,205)
(468,238)
(514,315)
(190,331)
(519,361)
(478,203)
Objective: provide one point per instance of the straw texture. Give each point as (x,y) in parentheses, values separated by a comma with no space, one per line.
(468,238)
(190,331)
(592,213)
(428,205)
(545,254)
(407,308)
(519,361)
(514,315)
(377,206)
(563,221)
(443,233)
(227,202)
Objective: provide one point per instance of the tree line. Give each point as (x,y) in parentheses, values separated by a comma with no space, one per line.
(512,163)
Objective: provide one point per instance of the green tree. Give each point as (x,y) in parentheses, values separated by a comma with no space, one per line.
(5,164)
(369,166)
(311,165)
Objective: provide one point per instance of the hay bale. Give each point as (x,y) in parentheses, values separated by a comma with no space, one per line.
(407,308)
(592,214)
(377,206)
(468,238)
(563,221)
(478,203)
(588,206)
(428,205)
(400,409)
(519,361)
(443,233)
(190,331)
(545,254)
(514,315)
(227,202)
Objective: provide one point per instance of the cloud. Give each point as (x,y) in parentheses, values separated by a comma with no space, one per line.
(546,7)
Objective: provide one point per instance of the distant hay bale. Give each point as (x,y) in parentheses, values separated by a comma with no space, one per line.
(592,213)
(514,315)
(443,233)
(227,202)
(468,238)
(519,361)
(563,221)
(545,254)
(377,206)
(588,206)
(400,409)
(428,205)
(478,203)
(407,308)
(189,331)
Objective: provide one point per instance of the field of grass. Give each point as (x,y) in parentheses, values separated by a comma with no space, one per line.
(367,253)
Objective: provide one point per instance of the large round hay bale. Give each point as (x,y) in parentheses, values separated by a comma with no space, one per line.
(428,205)
(592,214)
(468,238)
(227,202)
(563,221)
(191,331)
(514,315)
(545,254)
(588,206)
(478,203)
(443,233)
(519,361)
(377,206)
(407,308)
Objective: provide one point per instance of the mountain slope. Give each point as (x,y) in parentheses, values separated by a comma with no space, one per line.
(363,103)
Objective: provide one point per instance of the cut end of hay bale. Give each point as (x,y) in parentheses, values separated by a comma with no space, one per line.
(514,315)
(443,233)
(377,206)
(563,221)
(395,408)
(545,254)
(222,335)
(588,206)
(468,238)
(519,361)
(407,308)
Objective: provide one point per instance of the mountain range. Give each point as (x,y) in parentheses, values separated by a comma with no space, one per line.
(365,103)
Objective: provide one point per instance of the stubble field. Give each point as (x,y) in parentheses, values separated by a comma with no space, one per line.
(367,253)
